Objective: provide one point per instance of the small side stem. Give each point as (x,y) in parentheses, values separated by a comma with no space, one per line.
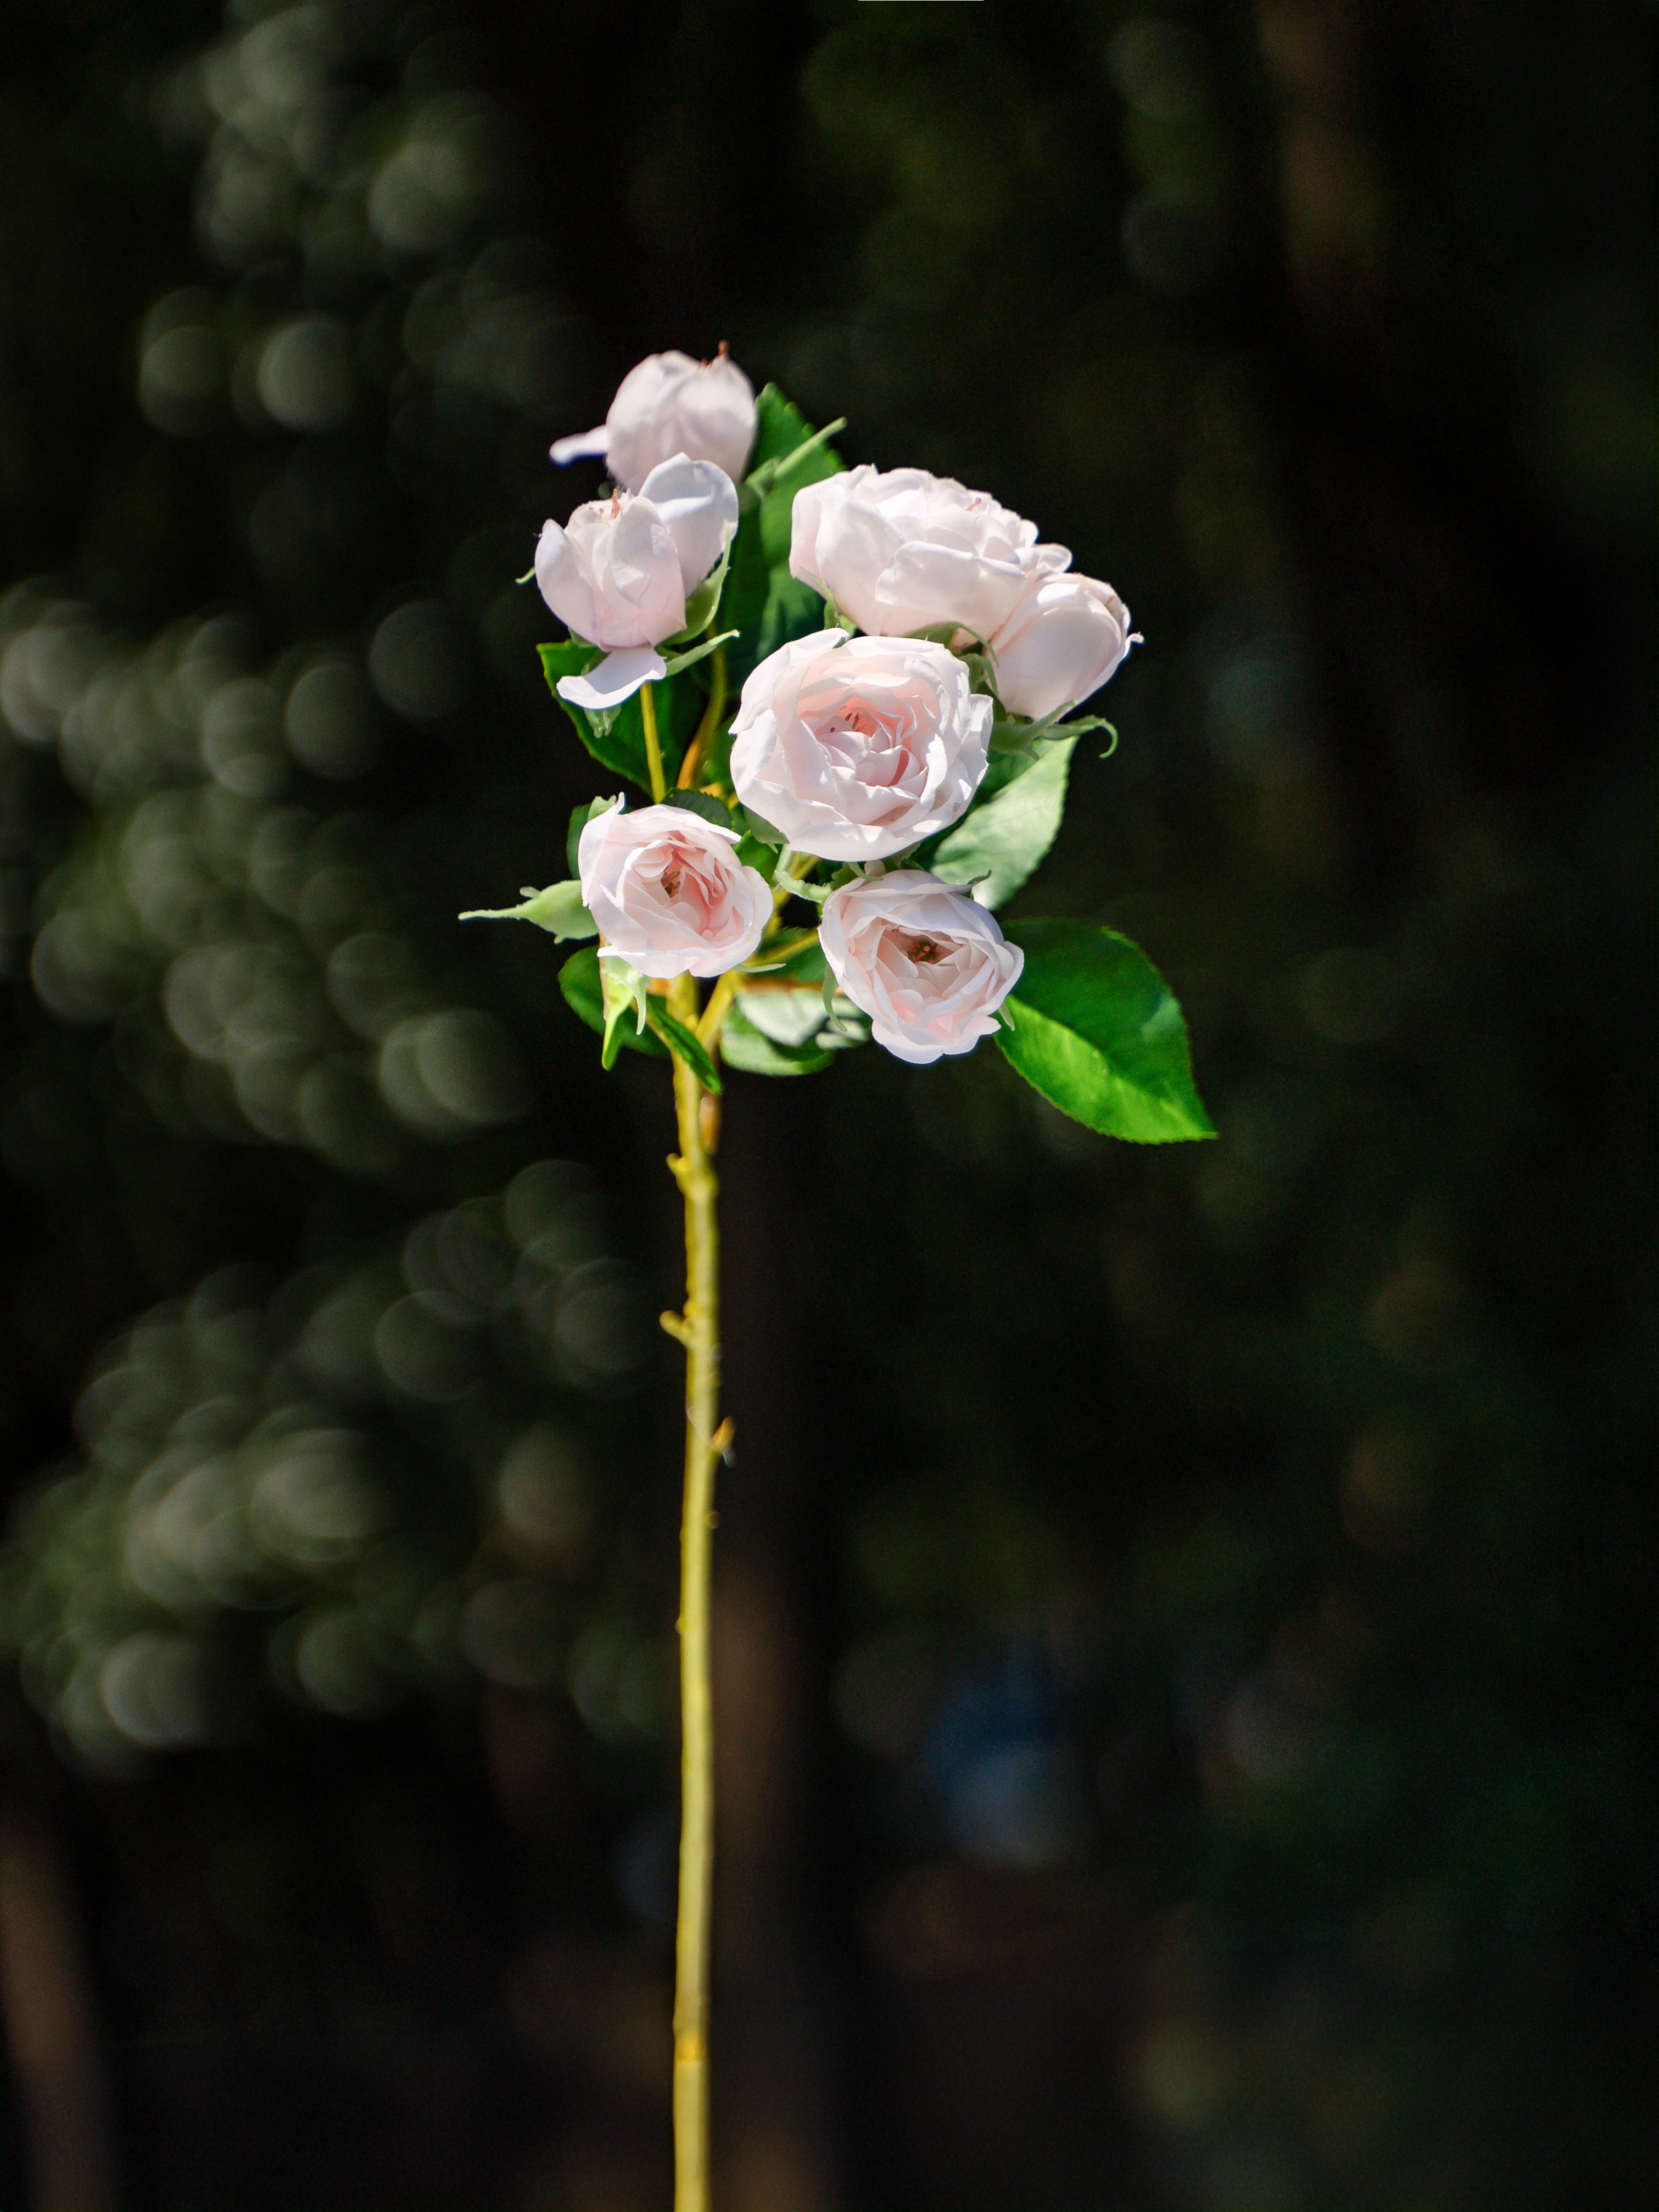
(711,722)
(652,744)
(704,1441)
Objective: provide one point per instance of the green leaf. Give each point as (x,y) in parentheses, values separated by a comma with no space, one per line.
(745,1046)
(1005,838)
(1097,1031)
(782,431)
(617,737)
(743,602)
(558,910)
(578,979)
(788,1014)
(682,1044)
(763,858)
(701,803)
(793,610)
(760,828)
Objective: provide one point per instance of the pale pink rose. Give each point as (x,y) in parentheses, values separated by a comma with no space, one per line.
(619,572)
(904,550)
(671,404)
(669,893)
(1060,643)
(857,747)
(928,965)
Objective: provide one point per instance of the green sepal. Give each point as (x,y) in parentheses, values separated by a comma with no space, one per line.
(624,991)
(584,993)
(704,602)
(1012,734)
(684,1043)
(701,803)
(761,481)
(1002,841)
(558,910)
(580,819)
(675,662)
(816,894)
(745,1046)
(1099,1033)
(761,829)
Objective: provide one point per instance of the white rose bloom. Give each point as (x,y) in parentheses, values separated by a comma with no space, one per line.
(928,965)
(1060,643)
(669,893)
(620,571)
(904,550)
(672,405)
(855,748)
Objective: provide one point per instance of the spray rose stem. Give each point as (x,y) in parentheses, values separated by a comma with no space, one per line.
(698,1329)
(694,1171)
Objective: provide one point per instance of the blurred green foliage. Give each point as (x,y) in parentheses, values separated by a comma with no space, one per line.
(1250,1548)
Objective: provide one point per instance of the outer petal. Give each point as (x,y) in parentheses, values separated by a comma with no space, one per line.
(717,416)
(581,446)
(642,397)
(1060,645)
(639,598)
(617,677)
(563,580)
(698,503)
(925,584)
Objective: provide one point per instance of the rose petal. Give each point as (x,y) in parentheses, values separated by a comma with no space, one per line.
(613,679)
(581,446)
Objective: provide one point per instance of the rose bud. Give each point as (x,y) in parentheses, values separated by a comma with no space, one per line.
(669,893)
(928,966)
(1060,643)
(855,748)
(903,551)
(672,405)
(620,571)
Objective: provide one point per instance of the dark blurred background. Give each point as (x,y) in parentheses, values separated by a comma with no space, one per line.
(1185,1653)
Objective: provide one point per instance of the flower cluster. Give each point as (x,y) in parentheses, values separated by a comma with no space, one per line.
(908,649)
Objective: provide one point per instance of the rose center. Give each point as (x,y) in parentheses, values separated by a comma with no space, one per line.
(924,952)
(671,882)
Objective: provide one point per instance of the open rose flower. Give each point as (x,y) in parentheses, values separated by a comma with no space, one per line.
(620,571)
(669,892)
(855,748)
(901,550)
(928,966)
(1060,644)
(672,405)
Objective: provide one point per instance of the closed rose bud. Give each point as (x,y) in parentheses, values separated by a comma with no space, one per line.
(1060,643)
(669,893)
(855,748)
(928,966)
(903,551)
(669,405)
(620,571)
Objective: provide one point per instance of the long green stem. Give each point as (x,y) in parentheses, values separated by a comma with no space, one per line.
(653,743)
(704,1441)
(710,722)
